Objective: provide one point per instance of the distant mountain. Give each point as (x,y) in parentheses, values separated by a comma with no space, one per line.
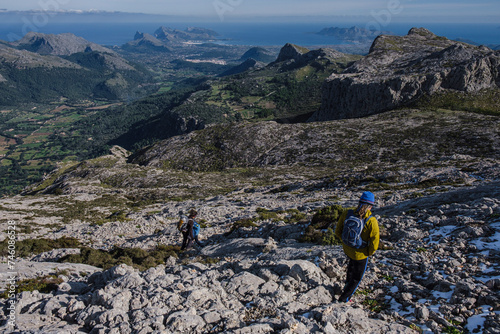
(259,54)
(352,34)
(144,42)
(293,56)
(60,45)
(68,45)
(190,34)
(42,68)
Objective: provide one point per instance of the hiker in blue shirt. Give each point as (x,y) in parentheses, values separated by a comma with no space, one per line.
(364,243)
(190,231)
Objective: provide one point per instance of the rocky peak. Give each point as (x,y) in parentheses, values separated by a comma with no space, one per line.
(12,55)
(421,32)
(417,39)
(146,42)
(138,35)
(401,69)
(291,52)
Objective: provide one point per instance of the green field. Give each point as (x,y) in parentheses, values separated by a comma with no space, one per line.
(29,147)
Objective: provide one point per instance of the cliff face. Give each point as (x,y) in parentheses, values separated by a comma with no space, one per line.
(399,70)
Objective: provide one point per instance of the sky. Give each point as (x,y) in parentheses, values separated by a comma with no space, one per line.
(382,10)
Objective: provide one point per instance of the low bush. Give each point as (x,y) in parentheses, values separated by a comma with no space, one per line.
(314,236)
(29,247)
(45,284)
(245,222)
(135,257)
(327,216)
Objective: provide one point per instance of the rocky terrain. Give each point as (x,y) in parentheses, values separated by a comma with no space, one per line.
(400,70)
(257,187)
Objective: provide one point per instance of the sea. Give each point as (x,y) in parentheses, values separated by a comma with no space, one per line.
(246,33)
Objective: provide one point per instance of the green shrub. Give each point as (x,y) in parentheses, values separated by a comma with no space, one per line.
(136,257)
(31,247)
(374,305)
(311,235)
(265,214)
(45,284)
(451,330)
(296,216)
(245,222)
(326,216)
(329,238)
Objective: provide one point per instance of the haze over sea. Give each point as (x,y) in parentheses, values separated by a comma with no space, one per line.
(247,33)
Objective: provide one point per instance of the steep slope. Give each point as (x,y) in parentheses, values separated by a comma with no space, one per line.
(401,69)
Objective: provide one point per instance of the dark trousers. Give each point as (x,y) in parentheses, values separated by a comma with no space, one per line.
(355,272)
(187,240)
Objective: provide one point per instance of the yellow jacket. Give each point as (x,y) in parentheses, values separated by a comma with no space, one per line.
(370,234)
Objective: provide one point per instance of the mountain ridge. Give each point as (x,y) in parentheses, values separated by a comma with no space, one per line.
(60,45)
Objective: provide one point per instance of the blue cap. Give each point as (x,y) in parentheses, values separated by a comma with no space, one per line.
(367,198)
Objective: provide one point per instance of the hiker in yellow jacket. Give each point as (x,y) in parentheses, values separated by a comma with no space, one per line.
(358,247)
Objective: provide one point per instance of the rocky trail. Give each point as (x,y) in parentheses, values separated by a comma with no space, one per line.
(117,267)
(438,270)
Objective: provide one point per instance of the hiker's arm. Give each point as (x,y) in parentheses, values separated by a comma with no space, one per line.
(374,236)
